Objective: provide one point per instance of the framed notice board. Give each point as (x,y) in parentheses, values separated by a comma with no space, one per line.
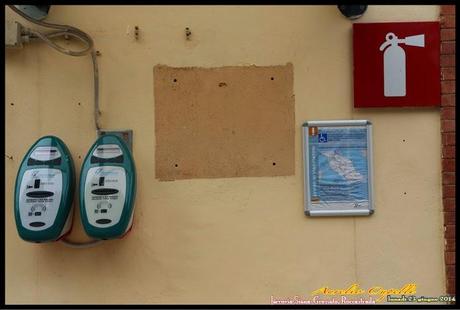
(338,169)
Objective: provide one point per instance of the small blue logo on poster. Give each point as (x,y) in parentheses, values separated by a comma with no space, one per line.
(322,137)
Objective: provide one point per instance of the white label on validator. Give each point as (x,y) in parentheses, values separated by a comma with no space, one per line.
(105,189)
(39,198)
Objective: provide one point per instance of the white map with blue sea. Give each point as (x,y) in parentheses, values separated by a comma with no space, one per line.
(339,167)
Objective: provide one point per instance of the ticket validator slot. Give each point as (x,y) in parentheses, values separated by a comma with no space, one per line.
(44,191)
(107,188)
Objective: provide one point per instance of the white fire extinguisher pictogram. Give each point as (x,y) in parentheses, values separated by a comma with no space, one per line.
(394,63)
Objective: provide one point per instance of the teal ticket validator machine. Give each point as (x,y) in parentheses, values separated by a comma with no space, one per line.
(44,191)
(107,188)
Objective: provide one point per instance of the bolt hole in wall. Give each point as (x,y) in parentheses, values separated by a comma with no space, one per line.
(11,104)
(176,165)
(272,78)
(136,32)
(175,80)
(274,164)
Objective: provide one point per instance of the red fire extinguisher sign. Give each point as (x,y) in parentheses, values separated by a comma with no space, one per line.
(396,64)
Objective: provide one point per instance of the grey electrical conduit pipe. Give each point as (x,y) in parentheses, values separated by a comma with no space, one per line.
(65,30)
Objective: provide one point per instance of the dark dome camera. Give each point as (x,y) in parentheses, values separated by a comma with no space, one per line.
(352,11)
(37,12)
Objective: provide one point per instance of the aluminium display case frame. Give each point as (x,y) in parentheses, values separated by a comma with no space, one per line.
(308,208)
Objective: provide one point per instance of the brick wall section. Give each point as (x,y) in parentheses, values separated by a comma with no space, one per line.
(447,20)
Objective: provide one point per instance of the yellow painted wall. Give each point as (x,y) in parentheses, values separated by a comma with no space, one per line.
(236,240)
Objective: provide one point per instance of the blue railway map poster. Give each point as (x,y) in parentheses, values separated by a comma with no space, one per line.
(338,169)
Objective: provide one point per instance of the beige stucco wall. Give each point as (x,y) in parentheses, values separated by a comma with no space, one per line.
(235,240)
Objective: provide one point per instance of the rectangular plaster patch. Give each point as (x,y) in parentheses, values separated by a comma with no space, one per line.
(224,122)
